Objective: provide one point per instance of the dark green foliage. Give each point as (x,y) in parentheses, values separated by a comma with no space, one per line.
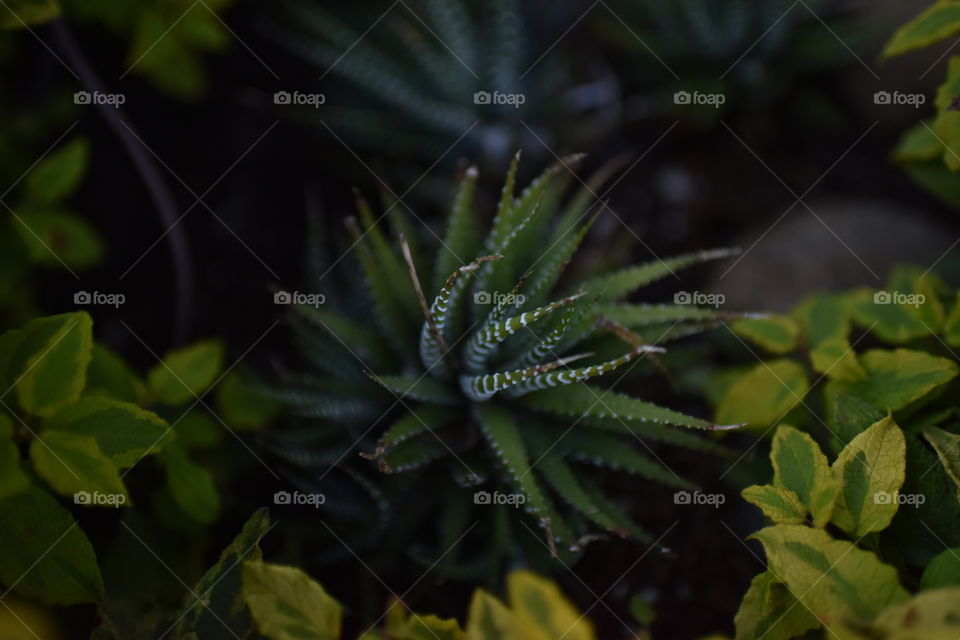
(490,391)
(402,80)
(756,53)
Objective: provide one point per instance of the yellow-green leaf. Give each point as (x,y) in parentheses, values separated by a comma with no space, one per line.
(938,22)
(907,309)
(871,470)
(852,416)
(18,14)
(44,553)
(947,446)
(930,615)
(490,619)
(539,603)
(897,378)
(57,175)
(242,408)
(72,464)
(51,362)
(918,144)
(826,327)
(192,486)
(800,466)
(947,123)
(763,395)
(943,570)
(832,578)
(780,505)
(124,432)
(187,372)
(776,333)
(58,237)
(951,326)
(768,610)
(431,628)
(109,374)
(221,602)
(287,604)
(12,477)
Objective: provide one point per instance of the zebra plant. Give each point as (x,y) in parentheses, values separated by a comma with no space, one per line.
(493,375)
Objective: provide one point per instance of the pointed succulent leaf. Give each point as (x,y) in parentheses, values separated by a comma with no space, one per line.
(391,314)
(418,421)
(564,482)
(523,381)
(413,453)
(420,388)
(502,432)
(621,283)
(484,341)
(583,400)
(460,245)
(367,345)
(550,267)
(638,315)
(614,452)
(442,312)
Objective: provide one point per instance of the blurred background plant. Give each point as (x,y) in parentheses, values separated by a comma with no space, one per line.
(773,62)
(928,150)
(799,126)
(412,88)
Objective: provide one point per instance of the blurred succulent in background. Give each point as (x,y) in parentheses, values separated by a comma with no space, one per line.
(755,53)
(412,79)
(488,382)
